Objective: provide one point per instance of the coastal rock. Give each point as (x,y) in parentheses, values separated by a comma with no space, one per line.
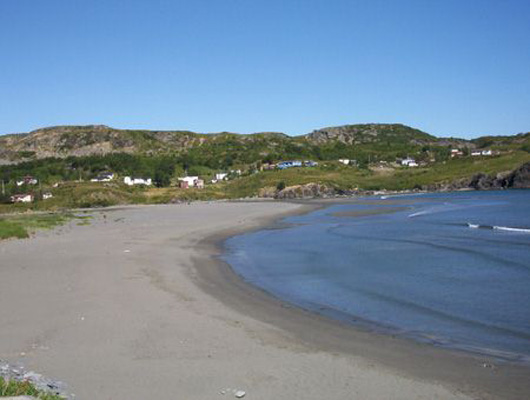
(517,179)
(18,373)
(520,178)
(267,192)
(310,190)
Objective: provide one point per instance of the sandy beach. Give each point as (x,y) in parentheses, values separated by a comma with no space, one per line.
(136,306)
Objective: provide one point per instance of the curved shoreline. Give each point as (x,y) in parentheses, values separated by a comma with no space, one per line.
(129,307)
(465,372)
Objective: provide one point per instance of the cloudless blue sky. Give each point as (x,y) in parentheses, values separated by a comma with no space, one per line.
(448,67)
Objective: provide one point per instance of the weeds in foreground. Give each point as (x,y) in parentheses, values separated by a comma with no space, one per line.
(21,226)
(23,388)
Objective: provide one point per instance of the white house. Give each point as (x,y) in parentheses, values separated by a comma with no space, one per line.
(22,198)
(481,153)
(27,180)
(409,162)
(344,161)
(104,177)
(137,181)
(221,176)
(46,196)
(456,153)
(189,181)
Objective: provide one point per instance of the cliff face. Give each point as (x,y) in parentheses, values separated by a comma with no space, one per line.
(370,133)
(517,179)
(520,178)
(310,190)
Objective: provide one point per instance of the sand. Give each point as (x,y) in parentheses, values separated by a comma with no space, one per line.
(134,306)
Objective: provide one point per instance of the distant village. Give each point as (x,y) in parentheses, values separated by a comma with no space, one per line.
(196,182)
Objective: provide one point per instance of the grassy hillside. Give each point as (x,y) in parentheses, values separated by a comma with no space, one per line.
(69,156)
(348,178)
(332,174)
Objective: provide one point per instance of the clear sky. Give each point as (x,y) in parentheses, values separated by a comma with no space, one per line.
(448,67)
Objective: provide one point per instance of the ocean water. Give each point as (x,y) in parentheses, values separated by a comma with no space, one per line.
(449,269)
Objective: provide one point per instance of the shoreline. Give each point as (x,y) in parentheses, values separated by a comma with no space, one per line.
(464,371)
(136,306)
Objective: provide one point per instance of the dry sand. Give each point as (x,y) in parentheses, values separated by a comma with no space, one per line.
(133,307)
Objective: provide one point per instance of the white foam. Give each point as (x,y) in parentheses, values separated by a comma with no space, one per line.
(510,229)
(417,214)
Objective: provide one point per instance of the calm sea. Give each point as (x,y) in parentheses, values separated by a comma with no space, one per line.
(449,269)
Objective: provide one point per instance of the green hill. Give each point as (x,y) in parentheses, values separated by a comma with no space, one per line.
(67,154)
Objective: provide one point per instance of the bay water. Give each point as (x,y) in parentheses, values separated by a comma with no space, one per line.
(451,269)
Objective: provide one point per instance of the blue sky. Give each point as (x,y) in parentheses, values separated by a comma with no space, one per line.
(459,68)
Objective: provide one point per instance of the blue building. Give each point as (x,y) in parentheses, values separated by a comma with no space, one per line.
(289,164)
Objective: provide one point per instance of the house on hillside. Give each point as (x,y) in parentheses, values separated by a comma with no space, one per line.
(191,182)
(268,166)
(289,164)
(137,181)
(409,162)
(46,196)
(22,198)
(344,161)
(221,176)
(27,180)
(481,153)
(456,153)
(104,177)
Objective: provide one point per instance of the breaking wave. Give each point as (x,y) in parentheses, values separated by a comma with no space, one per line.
(499,228)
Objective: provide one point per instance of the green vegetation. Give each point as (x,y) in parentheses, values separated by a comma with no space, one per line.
(70,195)
(349,178)
(12,387)
(21,226)
(165,156)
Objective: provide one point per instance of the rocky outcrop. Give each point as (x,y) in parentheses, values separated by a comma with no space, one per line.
(369,133)
(517,179)
(19,373)
(310,190)
(520,178)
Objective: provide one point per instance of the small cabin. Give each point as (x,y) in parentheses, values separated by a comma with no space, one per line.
(409,162)
(22,198)
(27,180)
(187,182)
(104,177)
(137,181)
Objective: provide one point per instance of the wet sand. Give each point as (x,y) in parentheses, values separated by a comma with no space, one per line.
(136,306)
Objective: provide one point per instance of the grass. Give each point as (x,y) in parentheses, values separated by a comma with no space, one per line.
(349,178)
(72,195)
(21,226)
(23,388)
